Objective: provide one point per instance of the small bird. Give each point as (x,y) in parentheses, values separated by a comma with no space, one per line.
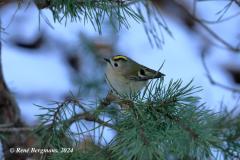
(126,77)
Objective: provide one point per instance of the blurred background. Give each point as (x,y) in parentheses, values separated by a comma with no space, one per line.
(44,60)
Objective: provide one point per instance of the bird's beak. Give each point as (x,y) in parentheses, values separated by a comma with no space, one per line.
(160,75)
(107,60)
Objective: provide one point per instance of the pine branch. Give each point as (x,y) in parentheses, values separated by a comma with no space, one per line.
(163,120)
(192,133)
(16,129)
(85,115)
(41,4)
(155,119)
(88,117)
(93,11)
(107,101)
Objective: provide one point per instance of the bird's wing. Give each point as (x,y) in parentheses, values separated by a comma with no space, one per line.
(152,73)
(145,74)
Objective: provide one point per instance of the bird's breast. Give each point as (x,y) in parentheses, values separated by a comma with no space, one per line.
(121,84)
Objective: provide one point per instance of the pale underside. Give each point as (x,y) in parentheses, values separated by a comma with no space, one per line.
(121,84)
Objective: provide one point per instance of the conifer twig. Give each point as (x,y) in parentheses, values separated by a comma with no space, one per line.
(16,129)
(108,100)
(41,4)
(210,78)
(193,134)
(88,117)
(210,31)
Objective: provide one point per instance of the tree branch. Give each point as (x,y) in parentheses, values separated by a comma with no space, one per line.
(16,129)
(210,78)
(191,132)
(107,101)
(215,35)
(88,117)
(41,4)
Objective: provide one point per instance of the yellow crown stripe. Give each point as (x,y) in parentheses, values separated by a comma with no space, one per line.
(120,57)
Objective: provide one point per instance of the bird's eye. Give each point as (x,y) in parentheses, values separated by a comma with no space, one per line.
(115,64)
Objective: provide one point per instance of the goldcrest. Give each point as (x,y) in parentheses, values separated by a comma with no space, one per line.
(125,76)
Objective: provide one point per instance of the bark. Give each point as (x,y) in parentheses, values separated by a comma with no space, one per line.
(10,117)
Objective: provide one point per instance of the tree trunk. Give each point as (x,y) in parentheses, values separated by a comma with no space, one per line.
(10,117)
